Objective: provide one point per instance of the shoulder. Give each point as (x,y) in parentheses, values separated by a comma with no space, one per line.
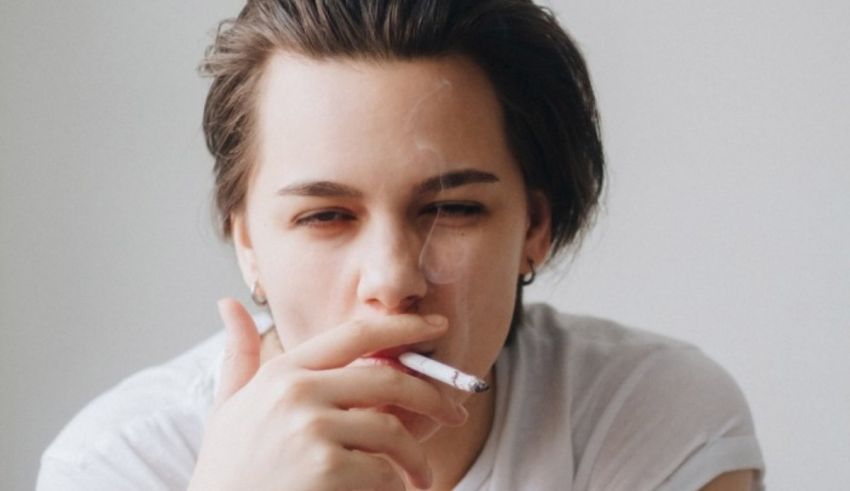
(596,356)
(150,423)
(606,352)
(639,403)
(602,335)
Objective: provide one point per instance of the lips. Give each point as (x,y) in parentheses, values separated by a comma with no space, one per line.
(393,353)
(389,357)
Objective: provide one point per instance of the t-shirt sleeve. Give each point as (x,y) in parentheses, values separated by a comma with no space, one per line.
(153,453)
(142,434)
(678,421)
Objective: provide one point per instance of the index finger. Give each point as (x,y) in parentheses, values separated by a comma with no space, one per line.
(342,345)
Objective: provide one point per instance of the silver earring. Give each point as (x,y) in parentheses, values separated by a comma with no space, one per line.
(256,296)
(530,279)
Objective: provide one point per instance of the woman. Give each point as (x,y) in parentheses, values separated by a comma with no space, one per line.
(391,174)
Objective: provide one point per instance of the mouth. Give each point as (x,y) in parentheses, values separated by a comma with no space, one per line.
(394,353)
(389,357)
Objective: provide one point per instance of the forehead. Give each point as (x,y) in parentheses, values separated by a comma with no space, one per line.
(351,114)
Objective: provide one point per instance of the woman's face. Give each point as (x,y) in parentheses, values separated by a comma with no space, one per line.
(387,188)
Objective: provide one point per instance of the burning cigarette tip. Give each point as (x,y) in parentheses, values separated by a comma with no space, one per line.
(480,386)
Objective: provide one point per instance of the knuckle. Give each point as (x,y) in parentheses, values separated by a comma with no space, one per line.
(326,460)
(273,373)
(296,388)
(315,425)
(278,367)
(360,328)
(393,426)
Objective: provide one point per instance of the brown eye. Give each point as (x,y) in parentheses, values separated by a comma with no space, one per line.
(324,218)
(455,209)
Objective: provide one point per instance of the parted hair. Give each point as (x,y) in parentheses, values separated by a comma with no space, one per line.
(538,74)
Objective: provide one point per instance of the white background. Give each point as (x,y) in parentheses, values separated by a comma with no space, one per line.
(726,221)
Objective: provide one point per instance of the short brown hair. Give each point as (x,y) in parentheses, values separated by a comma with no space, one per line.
(537,71)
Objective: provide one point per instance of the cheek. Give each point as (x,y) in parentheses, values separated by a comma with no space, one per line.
(491,294)
(480,302)
(450,256)
(304,289)
(446,256)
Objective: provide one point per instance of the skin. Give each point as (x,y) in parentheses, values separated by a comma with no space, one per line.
(383,195)
(732,481)
(360,247)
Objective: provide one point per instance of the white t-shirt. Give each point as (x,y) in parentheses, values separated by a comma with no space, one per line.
(581,404)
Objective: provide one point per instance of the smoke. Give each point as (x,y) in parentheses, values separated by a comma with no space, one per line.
(445,253)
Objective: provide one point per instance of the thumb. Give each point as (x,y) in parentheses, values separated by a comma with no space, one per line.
(241,350)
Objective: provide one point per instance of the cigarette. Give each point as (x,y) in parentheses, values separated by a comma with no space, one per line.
(442,372)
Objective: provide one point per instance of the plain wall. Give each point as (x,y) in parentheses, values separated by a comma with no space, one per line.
(726,221)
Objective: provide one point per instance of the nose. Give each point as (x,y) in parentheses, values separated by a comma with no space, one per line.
(391,280)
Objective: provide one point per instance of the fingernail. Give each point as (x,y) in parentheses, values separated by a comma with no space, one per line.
(435,319)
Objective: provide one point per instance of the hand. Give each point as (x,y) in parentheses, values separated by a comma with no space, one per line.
(306,420)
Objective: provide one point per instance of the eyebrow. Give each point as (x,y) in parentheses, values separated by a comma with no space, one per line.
(434,184)
(455,179)
(319,189)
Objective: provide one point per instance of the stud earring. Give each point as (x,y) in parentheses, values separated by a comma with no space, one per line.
(525,281)
(256,296)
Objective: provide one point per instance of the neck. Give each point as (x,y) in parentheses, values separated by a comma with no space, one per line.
(452,451)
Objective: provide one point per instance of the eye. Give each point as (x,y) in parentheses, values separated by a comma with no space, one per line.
(455,209)
(324,218)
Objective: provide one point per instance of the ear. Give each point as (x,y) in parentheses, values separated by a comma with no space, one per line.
(244,249)
(538,236)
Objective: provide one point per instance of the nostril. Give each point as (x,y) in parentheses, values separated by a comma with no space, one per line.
(409,305)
